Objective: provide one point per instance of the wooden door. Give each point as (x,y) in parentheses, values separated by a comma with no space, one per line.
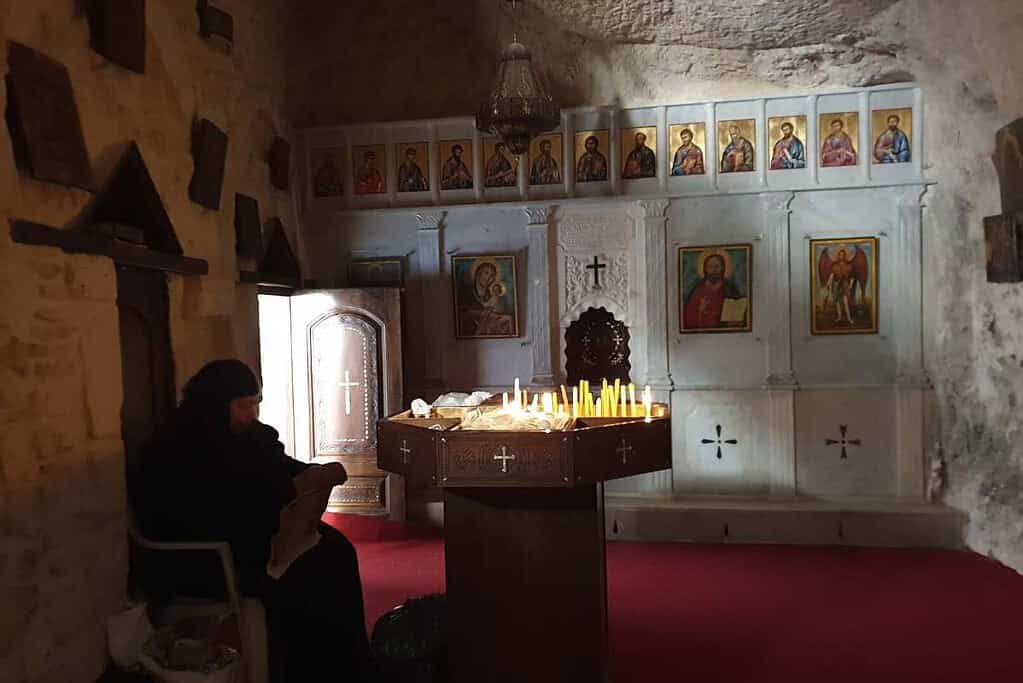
(346,365)
(147,364)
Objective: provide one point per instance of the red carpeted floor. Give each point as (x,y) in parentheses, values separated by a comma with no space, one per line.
(744,613)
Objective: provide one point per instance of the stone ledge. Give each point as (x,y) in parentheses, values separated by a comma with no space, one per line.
(867,523)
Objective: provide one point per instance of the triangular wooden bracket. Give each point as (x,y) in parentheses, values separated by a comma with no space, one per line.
(279,158)
(117,30)
(209,153)
(248,237)
(130,198)
(279,260)
(216,23)
(42,117)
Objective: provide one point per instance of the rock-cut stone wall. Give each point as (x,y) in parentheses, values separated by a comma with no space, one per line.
(63,549)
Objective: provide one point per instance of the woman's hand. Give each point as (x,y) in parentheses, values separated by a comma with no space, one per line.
(334,473)
(319,477)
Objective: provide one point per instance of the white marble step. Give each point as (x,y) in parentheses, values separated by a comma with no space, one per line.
(794,521)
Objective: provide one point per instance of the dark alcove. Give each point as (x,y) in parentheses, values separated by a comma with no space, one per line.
(597,347)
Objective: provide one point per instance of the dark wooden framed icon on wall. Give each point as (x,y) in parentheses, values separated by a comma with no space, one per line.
(42,117)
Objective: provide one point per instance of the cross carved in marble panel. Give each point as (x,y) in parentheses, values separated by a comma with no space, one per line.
(718,441)
(843,441)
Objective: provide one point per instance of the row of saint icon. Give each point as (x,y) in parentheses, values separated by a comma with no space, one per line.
(838,132)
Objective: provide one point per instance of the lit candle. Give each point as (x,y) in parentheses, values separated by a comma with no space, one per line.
(504,401)
(632,399)
(564,397)
(535,399)
(517,394)
(598,408)
(575,401)
(623,408)
(647,402)
(548,403)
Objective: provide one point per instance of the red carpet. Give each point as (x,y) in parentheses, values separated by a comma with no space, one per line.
(770,614)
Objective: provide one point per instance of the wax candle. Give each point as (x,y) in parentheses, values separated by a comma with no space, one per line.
(632,399)
(623,408)
(564,397)
(575,401)
(647,402)
(548,403)
(597,409)
(504,401)
(517,394)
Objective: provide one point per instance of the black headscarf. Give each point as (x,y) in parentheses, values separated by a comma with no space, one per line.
(206,397)
(203,482)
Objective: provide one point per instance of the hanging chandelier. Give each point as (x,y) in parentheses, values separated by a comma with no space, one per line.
(519,107)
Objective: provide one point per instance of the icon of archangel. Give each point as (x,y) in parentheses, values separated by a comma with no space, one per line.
(844,286)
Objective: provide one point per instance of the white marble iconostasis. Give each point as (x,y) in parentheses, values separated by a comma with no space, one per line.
(781,404)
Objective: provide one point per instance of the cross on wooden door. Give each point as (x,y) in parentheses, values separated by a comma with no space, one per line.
(719,441)
(405,451)
(843,441)
(504,458)
(624,450)
(347,385)
(596,267)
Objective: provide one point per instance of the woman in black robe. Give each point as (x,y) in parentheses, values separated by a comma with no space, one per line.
(219,474)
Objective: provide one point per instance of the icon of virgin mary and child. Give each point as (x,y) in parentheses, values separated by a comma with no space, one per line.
(485,306)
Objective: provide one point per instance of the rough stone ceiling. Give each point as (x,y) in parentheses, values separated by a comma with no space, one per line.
(721,24)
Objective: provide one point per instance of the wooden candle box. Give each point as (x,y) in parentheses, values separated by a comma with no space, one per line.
(591,450)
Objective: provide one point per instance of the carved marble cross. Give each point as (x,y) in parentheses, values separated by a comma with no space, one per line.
(719,441)
(843,441)
(596,267)
(348,384)
(405,451)
(504,458)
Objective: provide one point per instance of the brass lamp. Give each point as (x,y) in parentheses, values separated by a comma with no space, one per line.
(519,107)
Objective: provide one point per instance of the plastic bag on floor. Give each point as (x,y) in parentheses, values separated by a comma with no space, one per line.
(127,633)
(189,651)
(409,642)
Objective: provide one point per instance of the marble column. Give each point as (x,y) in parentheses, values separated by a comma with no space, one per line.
(430,238)
(911,377)
(907,252)
(655,246)
(775,325)
(539,273)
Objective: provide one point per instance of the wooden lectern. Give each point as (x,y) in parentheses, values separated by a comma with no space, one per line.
(524,536)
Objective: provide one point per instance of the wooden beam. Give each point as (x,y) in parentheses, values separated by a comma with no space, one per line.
(249,277)
(78,242)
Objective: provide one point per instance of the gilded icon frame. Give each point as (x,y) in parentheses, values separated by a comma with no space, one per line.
(817,285)
(728,253)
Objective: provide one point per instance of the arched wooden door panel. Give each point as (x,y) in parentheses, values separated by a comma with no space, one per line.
(346,365)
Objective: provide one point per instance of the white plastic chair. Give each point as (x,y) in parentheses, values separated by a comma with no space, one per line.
(249,612)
